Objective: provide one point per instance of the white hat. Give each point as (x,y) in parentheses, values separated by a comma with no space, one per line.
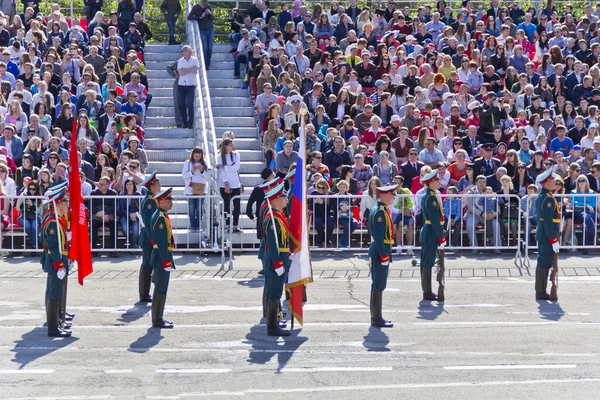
(411,37)
(475,104)
(597,139)
(447,95)
(294,98)
(395,118)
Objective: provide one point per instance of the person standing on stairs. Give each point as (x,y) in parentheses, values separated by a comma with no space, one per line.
(171,9)
(228,164)
(172,70)
(203,14)
(187,67)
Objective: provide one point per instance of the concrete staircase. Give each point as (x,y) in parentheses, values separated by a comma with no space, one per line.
(167,146)
(233,110)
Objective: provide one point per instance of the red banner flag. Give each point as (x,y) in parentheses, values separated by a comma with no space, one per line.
(80,239)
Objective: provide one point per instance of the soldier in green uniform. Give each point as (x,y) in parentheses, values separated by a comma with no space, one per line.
(262,212)
(49,212)
(276,258)
(548,225)
(162,256)
(432,234)
(147,208)
(381,227)
(55,260)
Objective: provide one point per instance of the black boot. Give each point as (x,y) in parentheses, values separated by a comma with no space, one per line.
(428,294)
(158,309)
(373,310)
(377,307)
(144,286)
(541,284)
(280,318)
(273,328)
(52,320)
(67,325)
(264,301)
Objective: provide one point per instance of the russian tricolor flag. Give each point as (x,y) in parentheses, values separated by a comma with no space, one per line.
(301,269)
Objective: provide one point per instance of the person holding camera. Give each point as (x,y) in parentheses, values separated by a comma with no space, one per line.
(489,117)
(194,175)
(129,168)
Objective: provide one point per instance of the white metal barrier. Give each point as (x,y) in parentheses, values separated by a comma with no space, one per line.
(115,224)
(335,229)
(580,214)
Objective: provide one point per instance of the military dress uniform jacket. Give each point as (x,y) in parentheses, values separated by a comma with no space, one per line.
(277,251)
(482,166)
(262,212)
(54,257)
(433,228)
(548,225)
(148,207)
(162,252)
(381,227)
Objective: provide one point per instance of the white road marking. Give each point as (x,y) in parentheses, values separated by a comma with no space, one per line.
(509,366)
(118,371)
(63,397)
(380,387)
(183,309)
(25,371)
(192,371)
(428,324)
(313,349)
(337,369)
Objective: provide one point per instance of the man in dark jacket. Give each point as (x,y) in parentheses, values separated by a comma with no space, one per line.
(103,214)
(202,13)
(489,117)
(337,157)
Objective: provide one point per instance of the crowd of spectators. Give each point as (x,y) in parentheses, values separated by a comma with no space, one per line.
(62,80)
(490,96)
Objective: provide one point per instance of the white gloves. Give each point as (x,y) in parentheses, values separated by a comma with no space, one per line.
(167,269)
(61,273)
(556,247)
(280,271)
(442,245)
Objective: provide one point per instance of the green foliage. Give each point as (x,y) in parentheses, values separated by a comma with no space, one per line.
(154,18)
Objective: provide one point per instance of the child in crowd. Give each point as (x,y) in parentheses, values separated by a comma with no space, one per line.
(529,210)
(453,213)
(489,202)
(540,142)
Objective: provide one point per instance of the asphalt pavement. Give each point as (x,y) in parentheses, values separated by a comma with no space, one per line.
(490,338)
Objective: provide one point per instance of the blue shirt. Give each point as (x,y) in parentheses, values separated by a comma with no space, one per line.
(564,147)
(528,28)
(525,156)
(453,208)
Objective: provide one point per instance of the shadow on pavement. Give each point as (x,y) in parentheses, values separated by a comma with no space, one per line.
(429,311)
(143,344)
(136,312)
(550,311)
(255,282)
(264,347)
(376,340)
(36,344)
